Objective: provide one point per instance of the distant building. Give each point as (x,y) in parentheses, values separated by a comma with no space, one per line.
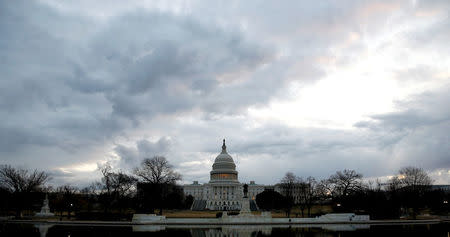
(223,191)
(445,188)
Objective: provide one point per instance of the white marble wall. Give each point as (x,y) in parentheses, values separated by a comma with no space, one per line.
(222,196)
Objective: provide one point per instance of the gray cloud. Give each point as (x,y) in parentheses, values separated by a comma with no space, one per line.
(130,157)
(82,82)
(380,147)
(79,78)
(418,133)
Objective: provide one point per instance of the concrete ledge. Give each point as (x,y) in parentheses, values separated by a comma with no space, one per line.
(344,217)
(264,218)
(44,215)
(147,218)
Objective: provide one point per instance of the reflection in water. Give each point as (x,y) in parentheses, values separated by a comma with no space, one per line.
(47,230)
(345,227)
(148,228)
(244,230)
(232,231)
(43,229)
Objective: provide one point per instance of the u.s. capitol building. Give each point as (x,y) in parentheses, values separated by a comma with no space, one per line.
(223,191)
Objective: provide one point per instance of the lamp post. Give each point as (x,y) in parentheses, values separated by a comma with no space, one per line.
(70,210)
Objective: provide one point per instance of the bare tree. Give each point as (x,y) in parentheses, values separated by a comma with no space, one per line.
(159,181)
(412,182)
(157,170)
(106,170)
(21,183)
(65,198)
(325,190)
(123,184)
(414,178)
(345,182)
(289,185)
(123,187)
(307,194)
(92,192)
(115,186)
(394,184)
(302,195)
(92,189)
(374,185)
(21,180)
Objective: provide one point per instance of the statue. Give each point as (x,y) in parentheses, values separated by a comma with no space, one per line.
(245,207)
(245,190)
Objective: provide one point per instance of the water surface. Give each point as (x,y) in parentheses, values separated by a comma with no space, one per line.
(46,230)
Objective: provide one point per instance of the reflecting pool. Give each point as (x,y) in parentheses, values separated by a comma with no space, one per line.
(49,230)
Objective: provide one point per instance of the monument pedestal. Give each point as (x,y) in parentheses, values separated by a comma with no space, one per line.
(45,210)
(245,210)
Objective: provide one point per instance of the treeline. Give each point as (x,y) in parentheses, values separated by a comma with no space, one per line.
(117,195)
(406,194)
(152,187)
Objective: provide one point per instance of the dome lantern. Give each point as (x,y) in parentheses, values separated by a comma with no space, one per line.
(224,147)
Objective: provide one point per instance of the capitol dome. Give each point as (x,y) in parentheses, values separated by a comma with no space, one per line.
(224,169)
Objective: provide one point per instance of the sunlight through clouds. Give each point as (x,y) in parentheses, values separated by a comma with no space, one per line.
(294,85)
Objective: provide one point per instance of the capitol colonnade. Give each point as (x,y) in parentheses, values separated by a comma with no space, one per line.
(223,191)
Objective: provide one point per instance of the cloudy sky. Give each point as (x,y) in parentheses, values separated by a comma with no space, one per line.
(310,87)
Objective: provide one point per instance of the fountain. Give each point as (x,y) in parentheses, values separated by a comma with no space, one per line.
(45,210)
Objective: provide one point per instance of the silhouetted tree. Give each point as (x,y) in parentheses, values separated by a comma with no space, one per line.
(345,182)
(175,198)
(158,182)
(21,180)
(414,178)
(188,200)
(413,184)
(91,194)
(394,184)
(153,196)
(21,183)
(307,194)
(157,170)
(288,184)
(270,200)
(324,190)
(65,199)
(115,187)
(5,201)
(437,201)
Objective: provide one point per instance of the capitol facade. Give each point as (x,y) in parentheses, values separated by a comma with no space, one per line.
(223,191)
